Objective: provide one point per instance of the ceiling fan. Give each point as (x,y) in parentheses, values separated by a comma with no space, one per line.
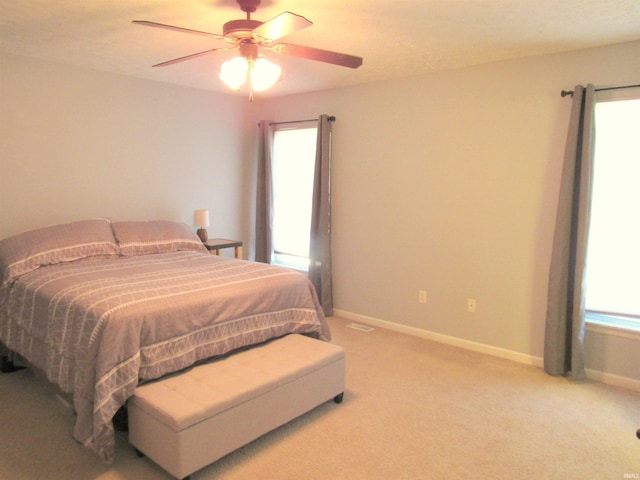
(250,36)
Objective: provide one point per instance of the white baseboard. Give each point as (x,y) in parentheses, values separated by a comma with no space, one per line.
(608,378)
(614,380)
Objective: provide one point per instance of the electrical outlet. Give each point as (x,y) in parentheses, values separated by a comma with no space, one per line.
(422,296)
(471,305)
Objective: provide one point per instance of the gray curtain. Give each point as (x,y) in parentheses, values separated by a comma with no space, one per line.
(564,332)
(320,239)
(264,195)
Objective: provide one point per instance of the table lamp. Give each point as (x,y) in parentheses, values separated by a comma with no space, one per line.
(201,220)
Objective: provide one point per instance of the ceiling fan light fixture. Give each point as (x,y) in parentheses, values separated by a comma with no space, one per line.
(234,72)
(261,72)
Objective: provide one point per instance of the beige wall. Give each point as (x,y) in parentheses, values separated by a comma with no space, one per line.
(80,143)
(445,182)
(448,183)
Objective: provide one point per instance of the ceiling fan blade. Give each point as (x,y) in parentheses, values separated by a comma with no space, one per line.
(284,24)
(310,53)
(176,29)
(190,57)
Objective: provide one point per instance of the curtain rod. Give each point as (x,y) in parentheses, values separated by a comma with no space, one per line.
(564,93)
(331,119)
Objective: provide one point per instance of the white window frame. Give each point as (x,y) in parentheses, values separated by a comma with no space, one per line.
(627,326)
(281,257)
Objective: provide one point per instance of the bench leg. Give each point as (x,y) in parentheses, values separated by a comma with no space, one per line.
(338,398)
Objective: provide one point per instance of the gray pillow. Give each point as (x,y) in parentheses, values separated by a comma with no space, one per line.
(157,236)
(54,244)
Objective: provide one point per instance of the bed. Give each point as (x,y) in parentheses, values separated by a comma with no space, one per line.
(102,306)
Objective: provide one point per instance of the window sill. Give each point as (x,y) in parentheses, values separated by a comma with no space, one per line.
(290,266)
(293,262)
(612,325)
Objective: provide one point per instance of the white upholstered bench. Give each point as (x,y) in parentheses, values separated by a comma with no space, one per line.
(186,421)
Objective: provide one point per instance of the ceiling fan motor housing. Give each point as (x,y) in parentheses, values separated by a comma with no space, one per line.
(248,5)
(239,29)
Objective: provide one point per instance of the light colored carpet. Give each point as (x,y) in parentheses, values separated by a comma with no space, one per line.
(413,409)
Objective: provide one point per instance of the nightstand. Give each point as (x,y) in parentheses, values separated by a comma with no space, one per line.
(214,245)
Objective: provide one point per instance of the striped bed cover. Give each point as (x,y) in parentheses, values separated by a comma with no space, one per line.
(97,328)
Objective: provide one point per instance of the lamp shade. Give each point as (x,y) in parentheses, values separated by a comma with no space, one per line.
(201,218)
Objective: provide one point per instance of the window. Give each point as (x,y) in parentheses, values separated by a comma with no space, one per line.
(613,257)
(294,153)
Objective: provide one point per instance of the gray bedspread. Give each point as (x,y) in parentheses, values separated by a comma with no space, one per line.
(98,327)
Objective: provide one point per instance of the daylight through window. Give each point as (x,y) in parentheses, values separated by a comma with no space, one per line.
(294,152)
(613,258)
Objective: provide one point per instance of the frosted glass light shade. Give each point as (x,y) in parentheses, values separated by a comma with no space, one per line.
(264,74)
(234,72)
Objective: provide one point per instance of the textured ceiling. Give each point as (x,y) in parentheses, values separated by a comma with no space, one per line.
(397,38)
